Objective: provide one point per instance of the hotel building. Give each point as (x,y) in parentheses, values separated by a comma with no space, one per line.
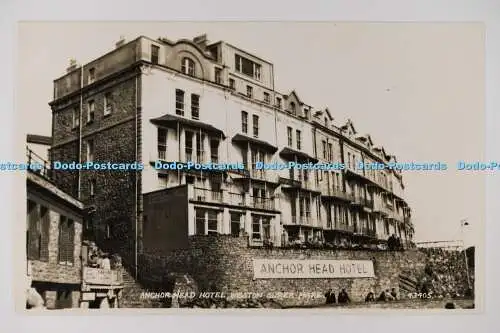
(191,100)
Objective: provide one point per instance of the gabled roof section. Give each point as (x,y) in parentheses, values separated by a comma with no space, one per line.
(349,127)
(294,95)
(327,111)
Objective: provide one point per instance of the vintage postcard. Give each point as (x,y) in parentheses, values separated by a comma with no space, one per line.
(229,165)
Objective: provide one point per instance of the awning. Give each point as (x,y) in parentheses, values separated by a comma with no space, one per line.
(170,120)
(292,154)
(243,140)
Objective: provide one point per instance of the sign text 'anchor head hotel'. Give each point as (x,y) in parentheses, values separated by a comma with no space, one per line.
(312,269)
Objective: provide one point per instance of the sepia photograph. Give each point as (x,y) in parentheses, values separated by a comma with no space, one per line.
(334,166)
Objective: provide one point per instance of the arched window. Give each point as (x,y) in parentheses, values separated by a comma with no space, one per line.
(293,109)
(188,66)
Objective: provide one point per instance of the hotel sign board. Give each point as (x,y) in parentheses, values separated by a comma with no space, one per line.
(312,269)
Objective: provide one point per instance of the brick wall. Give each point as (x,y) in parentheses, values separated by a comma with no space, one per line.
(225,263)
(51,270)
(114,138)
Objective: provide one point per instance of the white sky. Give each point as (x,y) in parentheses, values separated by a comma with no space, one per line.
(417,89)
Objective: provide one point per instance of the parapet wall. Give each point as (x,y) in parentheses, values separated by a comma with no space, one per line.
(224,263)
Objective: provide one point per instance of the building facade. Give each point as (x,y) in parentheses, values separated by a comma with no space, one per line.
(53,243)
(57,256)
(193,101)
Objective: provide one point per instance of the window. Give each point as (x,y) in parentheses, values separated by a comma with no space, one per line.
(163,179)
(299,142)
(76,117)
(278,102)
(195,106)
(188,66)
(289,136)
(232,84)
(92,186)
(212,223)
(91,77)
(247,67)
(37,241)
(249,91)
(155,54)
(235,223)
(214,151)
(200,151)
(349,160)
(206,222)
(323,144)
(267,98)
(90,150)
(330,152)
(244,121)
(293,108)
(66,240)
(255,123)
(189,146)
(200,222)
(256,227)
(90,111)
(306,113)
(162,143)
(218,75)
(108,106)
(179,102)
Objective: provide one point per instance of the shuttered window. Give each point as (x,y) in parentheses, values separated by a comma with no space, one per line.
(38,232)
(34,231)
(66,240)
(45,236)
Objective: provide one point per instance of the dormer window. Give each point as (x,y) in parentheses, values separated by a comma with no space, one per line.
(91,77)
(247,67)
(293,108)
(306,113)
(188,66)
(326,121)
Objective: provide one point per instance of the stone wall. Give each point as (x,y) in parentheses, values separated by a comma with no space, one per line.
(224,263)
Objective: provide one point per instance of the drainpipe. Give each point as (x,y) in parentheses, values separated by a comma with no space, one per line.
(80,132)
(136,180)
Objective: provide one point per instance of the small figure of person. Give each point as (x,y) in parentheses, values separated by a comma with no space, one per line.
(370,297)
(105,263)
(382,297)
(394,294)
(330,297)
(93,260)
(343,297)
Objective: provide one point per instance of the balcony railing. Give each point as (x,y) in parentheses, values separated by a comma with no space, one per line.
(344,227)
(258,174)
(263,203)
(206,195)
(236,199)
(100,276)
(336,192)
(42,166)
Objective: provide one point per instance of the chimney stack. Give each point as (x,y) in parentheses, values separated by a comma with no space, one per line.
(201,41)
(120,42)
(72,65)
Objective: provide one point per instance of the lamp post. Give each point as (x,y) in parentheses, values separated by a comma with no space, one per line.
(464,223)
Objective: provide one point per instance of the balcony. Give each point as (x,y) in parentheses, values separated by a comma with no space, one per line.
(289,182)
(302,220)
(236,199)
(206,195)
(336,192)
(344,227)
(102,277)
(263,203)
(257,174)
